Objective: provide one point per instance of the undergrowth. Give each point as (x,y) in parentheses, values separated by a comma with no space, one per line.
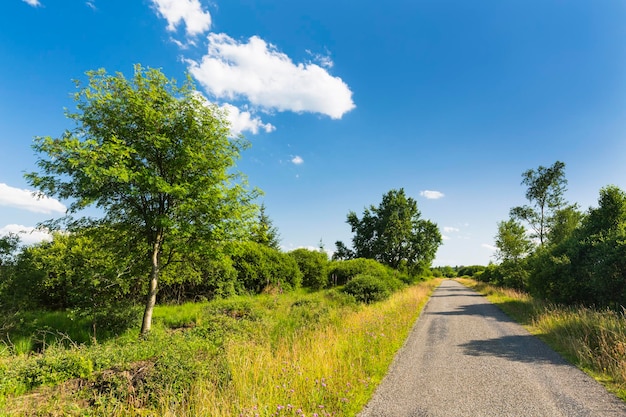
(292,354)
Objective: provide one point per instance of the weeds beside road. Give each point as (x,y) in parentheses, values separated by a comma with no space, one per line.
(293,354)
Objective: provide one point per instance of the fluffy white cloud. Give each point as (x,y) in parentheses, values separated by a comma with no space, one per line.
(241,121)
(449,229)
(431,195)
(490,247)
(259,73)
(33,3)
(189,11)
(28,200)
(28,235)
(297,160)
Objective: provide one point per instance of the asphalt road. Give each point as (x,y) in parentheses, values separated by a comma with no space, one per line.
(465,358)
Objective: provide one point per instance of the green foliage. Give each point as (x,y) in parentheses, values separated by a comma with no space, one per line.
(340,272)
(313,266)
(342,252)
(80,271)
(511,241)
(444,271)
(564,224)
(394,234)
(589,266)
(367,289)
(546,187)
(471,270)
(202,277)
(157,159)
(261,268)
(55,367)
(264,231)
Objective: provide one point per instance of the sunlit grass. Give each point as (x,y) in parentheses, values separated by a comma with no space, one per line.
(289,354)
(593,340)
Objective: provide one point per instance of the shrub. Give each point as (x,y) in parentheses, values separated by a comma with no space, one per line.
(340,272)
(367,289)
(313,266)
(260,267)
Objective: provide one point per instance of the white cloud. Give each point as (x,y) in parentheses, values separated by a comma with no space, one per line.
(91,5)
(28,234)
(189,11)
(268,78)
(34,3)
(444,237)
(28,200)
(241,121)
(490,247)
(296,160)
(323,60)
(431,195)
(449,229)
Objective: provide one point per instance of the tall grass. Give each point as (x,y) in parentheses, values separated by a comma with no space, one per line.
(328,370)
(594,340)
(293,354)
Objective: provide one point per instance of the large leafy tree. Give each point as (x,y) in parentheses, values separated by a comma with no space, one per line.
(156,158)
(546,187)
(394,234)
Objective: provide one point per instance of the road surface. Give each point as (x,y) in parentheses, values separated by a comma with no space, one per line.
(465,358)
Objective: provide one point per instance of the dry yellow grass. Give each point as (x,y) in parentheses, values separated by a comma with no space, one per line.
(328,371)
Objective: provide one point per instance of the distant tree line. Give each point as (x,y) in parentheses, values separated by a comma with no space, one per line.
(554,250)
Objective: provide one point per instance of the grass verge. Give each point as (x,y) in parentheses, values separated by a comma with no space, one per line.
(295,354)
(593,340)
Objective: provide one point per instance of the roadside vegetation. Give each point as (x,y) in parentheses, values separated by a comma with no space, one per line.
(290,354)
(177,299)
(594,340)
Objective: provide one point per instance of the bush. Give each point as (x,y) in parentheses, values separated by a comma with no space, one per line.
(313,266)
(51,369)
(340,272)
(204,279)
(260,267)
(367,289)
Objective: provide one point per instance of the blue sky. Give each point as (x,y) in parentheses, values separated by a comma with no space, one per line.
(343,100)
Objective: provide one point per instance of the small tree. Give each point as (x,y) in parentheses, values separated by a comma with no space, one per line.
(156,158)
(511,241)
(546,187)
(264,232)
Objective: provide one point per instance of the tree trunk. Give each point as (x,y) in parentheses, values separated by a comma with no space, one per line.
(146,323)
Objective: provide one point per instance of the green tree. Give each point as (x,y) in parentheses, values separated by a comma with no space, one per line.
(8,248)
(511,241)
(264,232)
(610,215)
(313,265)
(9,245)
(564,222)
(394,234)
(156,158)
(546,187)
(342,252)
